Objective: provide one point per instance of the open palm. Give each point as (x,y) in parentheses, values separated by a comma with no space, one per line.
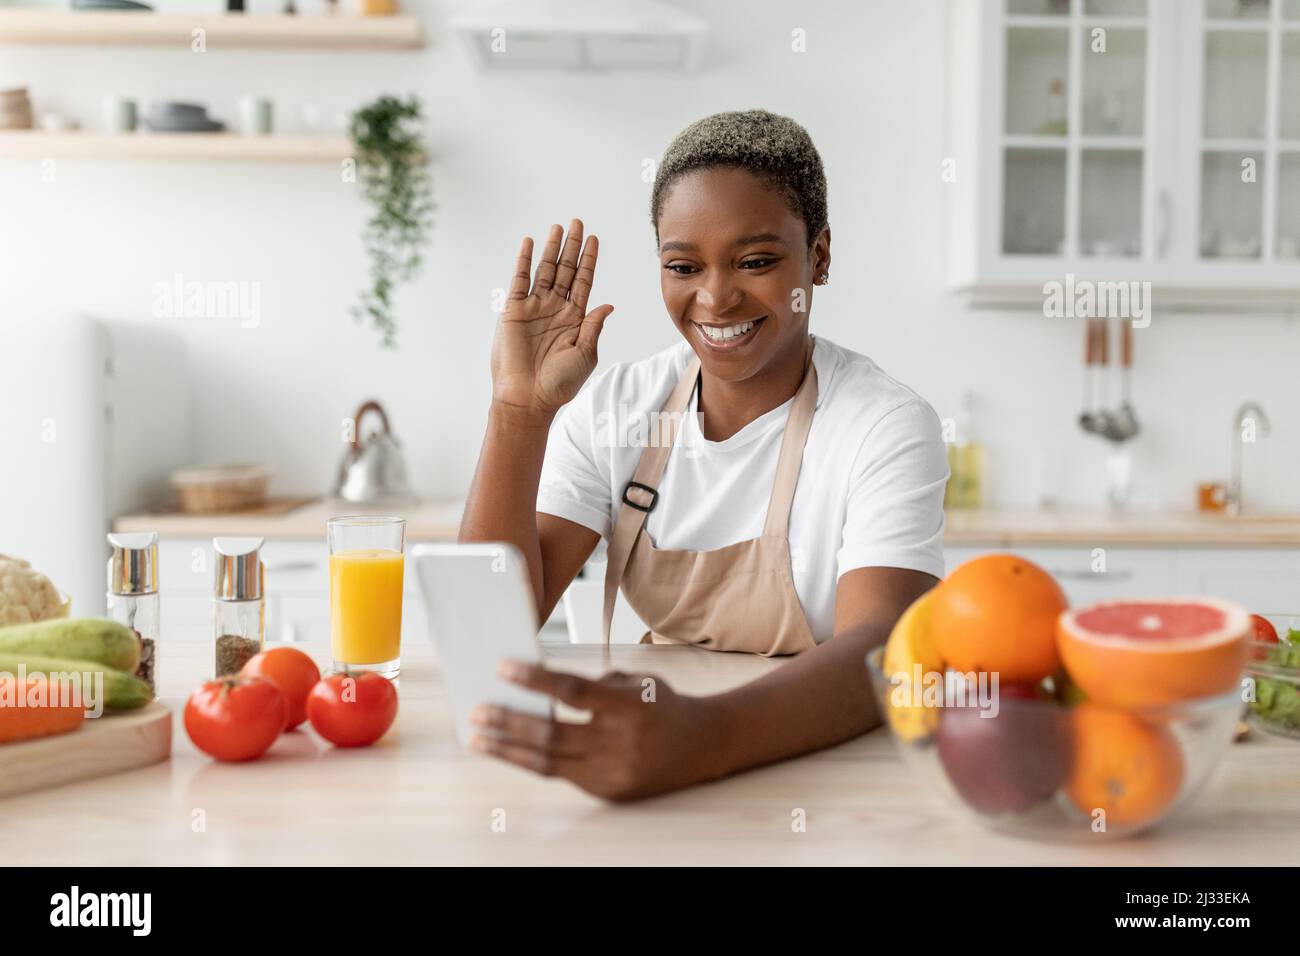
(545,345)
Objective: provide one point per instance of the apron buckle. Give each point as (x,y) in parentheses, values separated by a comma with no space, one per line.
(654,496)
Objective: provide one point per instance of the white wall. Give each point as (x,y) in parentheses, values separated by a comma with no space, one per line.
(515,152)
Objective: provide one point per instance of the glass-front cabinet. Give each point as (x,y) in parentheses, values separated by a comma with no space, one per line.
(1135,139)
(1249,129)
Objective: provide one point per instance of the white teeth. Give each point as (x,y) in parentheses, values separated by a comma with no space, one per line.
(730,332)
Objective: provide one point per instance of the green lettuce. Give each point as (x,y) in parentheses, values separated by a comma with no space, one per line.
(1277,702)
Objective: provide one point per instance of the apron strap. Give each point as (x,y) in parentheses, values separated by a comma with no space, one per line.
(641,494)
(790,461)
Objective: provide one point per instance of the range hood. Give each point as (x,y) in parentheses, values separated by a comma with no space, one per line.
(582,34)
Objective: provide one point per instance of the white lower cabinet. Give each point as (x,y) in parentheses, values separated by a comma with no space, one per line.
(1264,580)
(1089,575)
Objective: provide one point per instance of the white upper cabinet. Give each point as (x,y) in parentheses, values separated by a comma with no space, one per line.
(1131,140)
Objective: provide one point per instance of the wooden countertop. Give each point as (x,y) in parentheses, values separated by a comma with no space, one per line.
(438,519)
(1010,528)
(429,519)
(416,798)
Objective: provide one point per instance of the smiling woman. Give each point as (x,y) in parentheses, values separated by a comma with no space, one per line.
(790,505)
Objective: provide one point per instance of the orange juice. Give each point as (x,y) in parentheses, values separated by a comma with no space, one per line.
(366,606)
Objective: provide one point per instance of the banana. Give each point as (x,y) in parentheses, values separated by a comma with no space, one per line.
(911,643)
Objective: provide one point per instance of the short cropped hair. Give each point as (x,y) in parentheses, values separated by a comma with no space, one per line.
(774,148)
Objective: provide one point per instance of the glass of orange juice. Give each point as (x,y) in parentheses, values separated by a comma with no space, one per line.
(366,592)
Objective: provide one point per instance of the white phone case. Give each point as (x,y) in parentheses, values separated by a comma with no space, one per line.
(481,612)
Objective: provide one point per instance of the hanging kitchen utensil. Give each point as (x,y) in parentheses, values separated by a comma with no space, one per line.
(1126,423)
(372,468)
(1095,417)
(1089,378)
(1116,426)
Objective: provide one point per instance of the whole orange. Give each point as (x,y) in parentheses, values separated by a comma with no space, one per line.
(1123,765)
(998,613)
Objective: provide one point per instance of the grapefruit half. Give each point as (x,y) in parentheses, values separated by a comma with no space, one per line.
(1144,653)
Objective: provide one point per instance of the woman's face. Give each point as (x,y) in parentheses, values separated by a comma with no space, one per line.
(737,271)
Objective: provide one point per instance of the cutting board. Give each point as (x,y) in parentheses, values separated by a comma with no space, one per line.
(105,745)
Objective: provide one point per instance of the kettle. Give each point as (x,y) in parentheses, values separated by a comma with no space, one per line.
(372,469)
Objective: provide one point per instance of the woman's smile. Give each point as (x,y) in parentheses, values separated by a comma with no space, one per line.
(728,338)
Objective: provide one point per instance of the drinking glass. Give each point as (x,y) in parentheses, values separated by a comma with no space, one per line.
(366,566)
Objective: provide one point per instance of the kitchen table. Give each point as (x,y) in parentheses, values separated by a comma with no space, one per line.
(417,798)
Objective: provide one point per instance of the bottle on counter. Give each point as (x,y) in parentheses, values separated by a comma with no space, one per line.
(965,461)
(238,603)
(133,595)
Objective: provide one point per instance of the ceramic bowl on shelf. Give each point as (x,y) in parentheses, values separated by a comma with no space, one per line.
(109,5)
(171,116)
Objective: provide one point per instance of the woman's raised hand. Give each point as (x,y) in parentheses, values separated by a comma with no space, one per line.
(545,345)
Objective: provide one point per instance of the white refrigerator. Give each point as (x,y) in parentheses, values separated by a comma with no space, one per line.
(94,414)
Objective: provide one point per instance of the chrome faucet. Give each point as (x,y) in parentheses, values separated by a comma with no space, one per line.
(1251,411)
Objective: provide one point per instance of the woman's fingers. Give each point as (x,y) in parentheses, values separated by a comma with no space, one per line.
(592,325)
(545,276)
(523,267)
(538,761)
(577,692)
(530,730)
(569,258)
(586,273)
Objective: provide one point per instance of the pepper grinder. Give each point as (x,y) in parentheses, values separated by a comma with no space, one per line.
(132,596)
(238,603)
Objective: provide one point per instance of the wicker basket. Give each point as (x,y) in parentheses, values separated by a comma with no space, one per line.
(220,489)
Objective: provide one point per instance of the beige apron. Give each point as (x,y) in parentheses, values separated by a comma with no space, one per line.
(738,598)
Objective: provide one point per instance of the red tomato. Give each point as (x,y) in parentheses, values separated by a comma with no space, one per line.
(1264,631)
(290,670)
(352,710)
(235,718)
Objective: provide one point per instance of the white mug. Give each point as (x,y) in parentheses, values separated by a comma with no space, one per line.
(119,113)
(255,115)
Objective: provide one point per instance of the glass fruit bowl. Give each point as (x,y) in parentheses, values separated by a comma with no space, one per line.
(1275,670)
(1037,768)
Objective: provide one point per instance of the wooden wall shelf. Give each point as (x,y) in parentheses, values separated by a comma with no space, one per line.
(226,31)
(212,147)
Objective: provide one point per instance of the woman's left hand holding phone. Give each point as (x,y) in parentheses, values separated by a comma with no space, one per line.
(642,737)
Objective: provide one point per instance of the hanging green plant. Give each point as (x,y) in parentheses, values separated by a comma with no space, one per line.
(388,140)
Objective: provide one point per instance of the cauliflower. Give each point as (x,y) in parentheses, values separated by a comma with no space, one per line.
(27,595)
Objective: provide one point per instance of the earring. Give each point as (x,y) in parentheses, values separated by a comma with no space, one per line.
(824,278)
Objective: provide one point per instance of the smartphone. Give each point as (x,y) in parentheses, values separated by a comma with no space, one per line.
(481,611)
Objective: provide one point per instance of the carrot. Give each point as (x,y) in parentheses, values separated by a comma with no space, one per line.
(27,710)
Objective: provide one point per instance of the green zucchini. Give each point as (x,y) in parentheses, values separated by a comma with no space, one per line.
(77,639)
(121,691)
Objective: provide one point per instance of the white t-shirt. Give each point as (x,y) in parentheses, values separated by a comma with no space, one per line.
(870,491)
